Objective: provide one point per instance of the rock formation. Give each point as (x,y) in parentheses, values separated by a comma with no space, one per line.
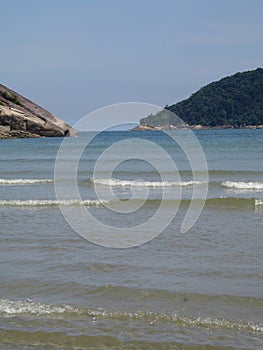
(20,118)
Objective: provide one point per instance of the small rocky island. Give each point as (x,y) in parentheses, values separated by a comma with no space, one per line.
(22,118)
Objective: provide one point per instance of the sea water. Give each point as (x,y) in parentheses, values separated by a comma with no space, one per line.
(201,289)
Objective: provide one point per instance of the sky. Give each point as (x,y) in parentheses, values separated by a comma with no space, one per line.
(74,57)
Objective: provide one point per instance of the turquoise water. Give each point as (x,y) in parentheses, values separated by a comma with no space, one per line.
(199,290)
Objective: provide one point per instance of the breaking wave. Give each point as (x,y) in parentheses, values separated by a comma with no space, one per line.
(220,203)
(141,183)
(29,307)
(243,185)
(258,202)
(52,203)
(23,181)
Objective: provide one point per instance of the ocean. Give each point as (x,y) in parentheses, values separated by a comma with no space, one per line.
(98,252)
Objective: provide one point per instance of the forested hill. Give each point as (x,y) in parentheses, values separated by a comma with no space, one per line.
(236,100)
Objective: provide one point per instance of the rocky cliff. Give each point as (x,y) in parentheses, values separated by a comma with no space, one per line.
(20,118)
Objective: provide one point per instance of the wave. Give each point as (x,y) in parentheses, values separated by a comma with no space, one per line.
(29,307)
(24,181)
(52,203)
(234,203)
(243,185)
(224,172)
(27,339)
(258,202)
(9,307)
(141,183)
(184,172)
(218,203)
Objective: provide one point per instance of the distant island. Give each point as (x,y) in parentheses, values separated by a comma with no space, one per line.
(232,102)
(22,118)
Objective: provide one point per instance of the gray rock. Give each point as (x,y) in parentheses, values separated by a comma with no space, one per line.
(22,118)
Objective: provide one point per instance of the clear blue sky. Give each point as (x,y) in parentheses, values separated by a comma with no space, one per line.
(73,57)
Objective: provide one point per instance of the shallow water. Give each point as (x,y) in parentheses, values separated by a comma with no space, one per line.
(198,290)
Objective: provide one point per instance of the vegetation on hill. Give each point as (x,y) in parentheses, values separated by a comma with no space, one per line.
(5,95)
(236,100)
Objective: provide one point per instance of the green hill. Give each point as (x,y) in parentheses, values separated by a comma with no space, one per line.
(236,100)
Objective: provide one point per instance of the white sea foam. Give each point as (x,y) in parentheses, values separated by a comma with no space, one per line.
(243,185)
(141,183)
(50,202)
(258,202)
(20,307)
(23,181)
(220,323)
(11,308)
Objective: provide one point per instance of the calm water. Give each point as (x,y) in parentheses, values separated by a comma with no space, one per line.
(199,290)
